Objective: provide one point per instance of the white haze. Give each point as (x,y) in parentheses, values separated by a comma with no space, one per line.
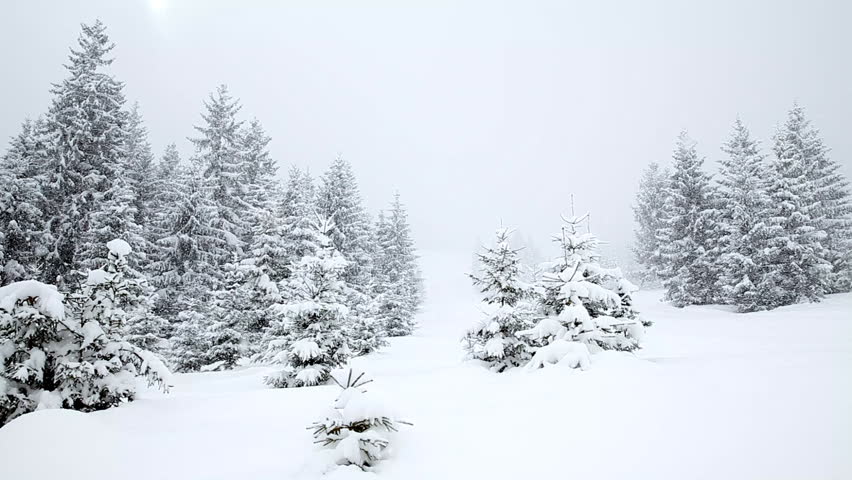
(476,112)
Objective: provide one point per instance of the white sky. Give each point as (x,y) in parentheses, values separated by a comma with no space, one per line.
(476,111)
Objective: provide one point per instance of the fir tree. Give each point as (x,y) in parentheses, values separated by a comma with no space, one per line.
(649,215)
(584,302)
(316,316)
(259,168)
(298,212)
(800,265)
(691,232)
(88,203)
(21,202)
(358,429)
(831,191)
(397,281)
(55,360)
(747,232)
(141,177)
(186,269)
(220,157)
(339,200)
(496,340)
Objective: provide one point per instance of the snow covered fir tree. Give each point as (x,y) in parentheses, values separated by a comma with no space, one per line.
(773,230)
(203,264)
(495,340)
(576,308)
(358,429)
(69,352)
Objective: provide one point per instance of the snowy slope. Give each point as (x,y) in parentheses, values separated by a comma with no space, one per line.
(713,395)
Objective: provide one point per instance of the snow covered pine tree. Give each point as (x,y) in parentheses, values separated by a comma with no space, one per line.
(397,282)
(314,319)
(649,215)
(496,340)
(358,428)
(79,361)
(800,262)
(690,235)
(585,305)
(746,224)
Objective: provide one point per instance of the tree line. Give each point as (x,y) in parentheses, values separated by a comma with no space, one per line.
(222,262)
(771,230)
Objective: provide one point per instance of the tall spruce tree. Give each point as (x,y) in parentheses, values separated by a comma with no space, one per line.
(831,191)
(298,214)
(186,269)
(649,215)
(220,157)
(259,168)
(801,267)
(21,203)
(747,230)
(691,232)
(88,203)
(339,200)
(141,177)
(397,279)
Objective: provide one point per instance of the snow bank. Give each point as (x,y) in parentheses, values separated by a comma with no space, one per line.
(571,354)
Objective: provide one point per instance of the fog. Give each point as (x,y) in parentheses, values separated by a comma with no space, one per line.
(477,112)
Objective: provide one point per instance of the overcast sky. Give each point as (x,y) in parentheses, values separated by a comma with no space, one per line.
(476,112)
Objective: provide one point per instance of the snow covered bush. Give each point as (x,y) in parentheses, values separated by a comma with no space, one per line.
(495,340)
(313,320)
(584,302)
(58,357)
(358,428)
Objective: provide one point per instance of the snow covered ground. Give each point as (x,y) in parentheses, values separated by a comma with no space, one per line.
(713,395)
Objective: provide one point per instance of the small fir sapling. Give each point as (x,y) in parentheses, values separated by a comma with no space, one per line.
(358,429)
(495,340)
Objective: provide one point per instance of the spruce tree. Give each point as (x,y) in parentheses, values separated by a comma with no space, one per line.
(315,317)
(831,191)
(186,269)
(220,157)
(88,202)
(338,199)
(649,215)
(298,213)
(358,428)
(21,203)
(259,168)
(496,340)
(691,233)
(746,228)
(801,267)
(584,302)
(141,177)
(60,356)
(397,282)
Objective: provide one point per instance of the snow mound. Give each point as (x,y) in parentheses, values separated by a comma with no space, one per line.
(48,300)
(572,354)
